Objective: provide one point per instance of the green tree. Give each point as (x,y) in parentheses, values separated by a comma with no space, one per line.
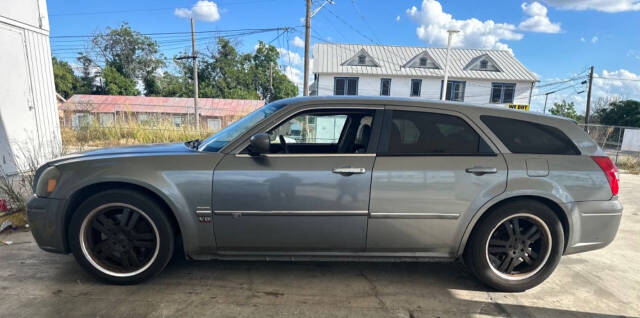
(620,113)
(117,84)
(565,109)
(65,80)
(265,62)
(87,79)
(133,55)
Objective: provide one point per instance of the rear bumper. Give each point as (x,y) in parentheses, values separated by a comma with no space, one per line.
(46,219)
(594,224)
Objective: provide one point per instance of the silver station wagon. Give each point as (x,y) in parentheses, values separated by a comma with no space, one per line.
(326,178)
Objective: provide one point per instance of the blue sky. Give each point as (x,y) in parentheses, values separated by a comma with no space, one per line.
(556,39)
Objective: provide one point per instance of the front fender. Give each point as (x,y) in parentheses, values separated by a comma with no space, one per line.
(182,181)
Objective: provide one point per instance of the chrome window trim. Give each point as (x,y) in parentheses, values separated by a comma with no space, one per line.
(445,216)
(289,213)
(307,155)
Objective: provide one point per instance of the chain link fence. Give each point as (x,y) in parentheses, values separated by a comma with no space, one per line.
(611,140)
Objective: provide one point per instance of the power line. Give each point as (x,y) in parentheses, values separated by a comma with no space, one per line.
(152,9)
(180,32)
(618,78)
(351,27)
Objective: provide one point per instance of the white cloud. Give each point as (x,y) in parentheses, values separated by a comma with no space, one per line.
(294,75)
(538,21)
(582,39)
(608,85)
(203,10)
(398,18)
(289,56)
(634,53)
(594,39)
(599,5)
(433,24)
(297,41)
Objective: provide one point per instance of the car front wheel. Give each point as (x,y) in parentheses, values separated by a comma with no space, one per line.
(121,236)
(516,247)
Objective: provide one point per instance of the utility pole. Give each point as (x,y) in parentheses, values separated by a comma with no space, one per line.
(307,42)
(194,54)
(446,65)
(546,96)
(270,80)
(586,116)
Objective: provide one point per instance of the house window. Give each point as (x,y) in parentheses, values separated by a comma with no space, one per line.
(484,64)
(455,91)
(143,117)
(362,59)
(385,87)
(423,61)
(106,120)
(214,124)
(416,85)
(81,120)
(345,86)
(502,93)
(177,121)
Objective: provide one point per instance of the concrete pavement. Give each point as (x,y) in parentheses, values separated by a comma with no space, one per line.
(603,283)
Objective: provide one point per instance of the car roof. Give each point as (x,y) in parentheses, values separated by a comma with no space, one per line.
(461,107)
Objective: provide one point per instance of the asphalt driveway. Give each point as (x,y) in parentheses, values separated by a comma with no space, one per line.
(603,283)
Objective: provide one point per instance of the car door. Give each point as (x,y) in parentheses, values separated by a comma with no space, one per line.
(433,170)
(309,194)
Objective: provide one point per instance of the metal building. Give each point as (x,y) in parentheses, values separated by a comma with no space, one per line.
(29,126)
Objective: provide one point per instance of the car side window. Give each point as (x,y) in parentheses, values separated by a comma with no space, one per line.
(424,133)
(311,129)
(521,136)
(323,132)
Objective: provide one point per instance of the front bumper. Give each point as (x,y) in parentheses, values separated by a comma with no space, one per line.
(47,222)
(594,224)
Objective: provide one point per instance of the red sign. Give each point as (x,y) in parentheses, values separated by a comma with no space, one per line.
(3,205)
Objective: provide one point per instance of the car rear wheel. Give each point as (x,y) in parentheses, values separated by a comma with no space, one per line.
(516,247)
(121,236)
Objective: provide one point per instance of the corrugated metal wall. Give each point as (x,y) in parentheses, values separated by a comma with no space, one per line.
(43,92)
(29,125)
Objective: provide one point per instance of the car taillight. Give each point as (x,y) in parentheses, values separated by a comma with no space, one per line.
(610,171)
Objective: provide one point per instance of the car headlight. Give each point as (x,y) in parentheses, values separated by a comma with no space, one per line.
(47,181)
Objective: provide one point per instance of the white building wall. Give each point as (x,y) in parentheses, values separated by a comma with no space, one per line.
(476,91)
(29,125)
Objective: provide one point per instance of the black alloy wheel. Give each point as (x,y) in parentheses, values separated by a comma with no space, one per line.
(121,239)
(121,236)
(518,246)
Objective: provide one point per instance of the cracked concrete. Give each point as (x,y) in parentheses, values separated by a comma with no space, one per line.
(603,283)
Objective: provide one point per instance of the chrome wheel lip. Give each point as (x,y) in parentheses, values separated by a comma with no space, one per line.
(88,255)
(521,276)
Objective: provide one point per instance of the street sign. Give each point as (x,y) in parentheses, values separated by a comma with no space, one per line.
(519,106)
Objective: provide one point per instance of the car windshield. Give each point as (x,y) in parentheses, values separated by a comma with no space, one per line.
(220,139)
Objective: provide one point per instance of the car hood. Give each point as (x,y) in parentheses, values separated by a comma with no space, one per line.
(127,150)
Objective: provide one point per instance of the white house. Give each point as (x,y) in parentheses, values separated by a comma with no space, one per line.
(29,126)
(493,77)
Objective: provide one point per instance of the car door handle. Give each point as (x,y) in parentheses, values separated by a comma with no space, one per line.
(347,171)
(478,171)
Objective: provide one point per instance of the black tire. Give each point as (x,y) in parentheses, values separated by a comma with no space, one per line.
(501,221)
(149,237)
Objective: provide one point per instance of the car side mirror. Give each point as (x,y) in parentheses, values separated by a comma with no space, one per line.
(259,144)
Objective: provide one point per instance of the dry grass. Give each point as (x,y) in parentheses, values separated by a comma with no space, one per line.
(630,164)
(132,133)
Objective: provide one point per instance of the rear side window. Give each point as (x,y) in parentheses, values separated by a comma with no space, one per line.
(521,136)
(423,133)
